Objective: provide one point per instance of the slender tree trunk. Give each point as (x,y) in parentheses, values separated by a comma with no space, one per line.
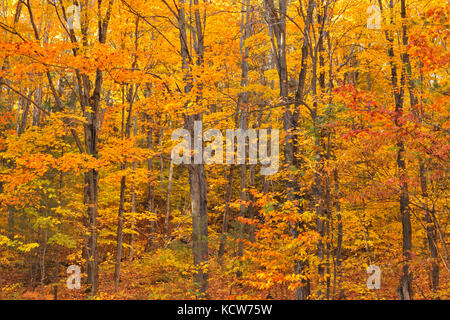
(169,187)
(328,222)
(120,221)
(150,189)
(303,291)
(91,182)
(318,188)
(42,261)
(133,199)
(338,249)
(405,288)
(23,123)
(430,229)
(251,198)
(226,213)
(36,111)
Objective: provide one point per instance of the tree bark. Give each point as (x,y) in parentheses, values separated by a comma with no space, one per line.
(169,187)
(120,221)
(223,236)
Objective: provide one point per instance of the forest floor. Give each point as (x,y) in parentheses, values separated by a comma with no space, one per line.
(164,274)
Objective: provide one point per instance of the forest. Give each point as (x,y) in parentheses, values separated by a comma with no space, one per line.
(224,149)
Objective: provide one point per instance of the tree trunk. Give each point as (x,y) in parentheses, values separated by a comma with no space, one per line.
(338,249)
(405,288)
(133,199)
(150,190)
(223,236)
(169,187)
(197,177)
(120,220)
